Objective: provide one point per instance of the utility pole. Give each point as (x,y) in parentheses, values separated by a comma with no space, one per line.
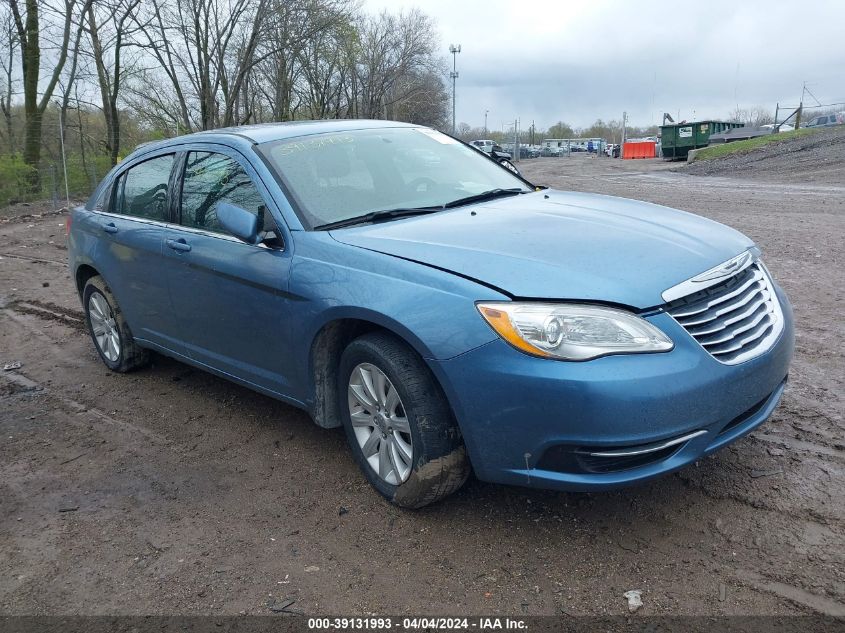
(454,75)
(486,112)
(64,160)
(800,107)
(624,133)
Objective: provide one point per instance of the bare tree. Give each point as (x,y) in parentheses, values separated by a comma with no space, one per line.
(9,38)
(174,66)
(429,104)
(27,17)
(206,49)
(227,62)
(110,30)
(754,116)
(299,57)
(392,49)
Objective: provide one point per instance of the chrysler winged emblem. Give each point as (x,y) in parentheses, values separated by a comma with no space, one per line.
(711,277)
(730,267)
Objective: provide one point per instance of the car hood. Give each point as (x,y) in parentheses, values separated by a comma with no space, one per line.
(560,245)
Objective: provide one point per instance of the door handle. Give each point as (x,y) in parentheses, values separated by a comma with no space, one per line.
(179,245)
(110,228)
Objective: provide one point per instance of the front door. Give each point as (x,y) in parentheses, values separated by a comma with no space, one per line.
(230,297)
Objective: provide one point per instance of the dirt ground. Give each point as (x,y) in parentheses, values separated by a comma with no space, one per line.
(171,491)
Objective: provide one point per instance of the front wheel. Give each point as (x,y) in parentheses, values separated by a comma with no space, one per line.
(398,423)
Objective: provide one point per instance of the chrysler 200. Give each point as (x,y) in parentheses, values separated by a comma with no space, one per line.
(450,315)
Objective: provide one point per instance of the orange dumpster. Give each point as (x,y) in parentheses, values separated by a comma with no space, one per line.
(639,149)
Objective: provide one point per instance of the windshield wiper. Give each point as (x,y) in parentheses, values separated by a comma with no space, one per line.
(375,216)
(485,195)
(388,214)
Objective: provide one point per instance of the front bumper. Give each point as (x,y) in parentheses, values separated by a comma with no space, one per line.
(524,418)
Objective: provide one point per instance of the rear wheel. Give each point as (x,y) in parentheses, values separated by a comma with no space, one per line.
(109,330)
(399,425)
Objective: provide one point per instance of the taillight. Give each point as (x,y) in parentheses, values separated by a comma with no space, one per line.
(67,224)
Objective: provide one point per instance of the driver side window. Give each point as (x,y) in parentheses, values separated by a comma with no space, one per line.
(142,192)
(211,178)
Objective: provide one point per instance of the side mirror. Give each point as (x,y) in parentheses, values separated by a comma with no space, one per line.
(239,222)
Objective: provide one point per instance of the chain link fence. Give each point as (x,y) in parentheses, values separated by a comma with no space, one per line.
(52,183)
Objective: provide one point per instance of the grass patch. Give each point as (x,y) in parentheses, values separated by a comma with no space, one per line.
(742,147)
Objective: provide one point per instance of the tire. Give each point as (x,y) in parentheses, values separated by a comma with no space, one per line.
(112,339)
(438,463)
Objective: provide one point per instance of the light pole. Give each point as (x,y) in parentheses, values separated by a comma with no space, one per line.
(454,75)
(486,112)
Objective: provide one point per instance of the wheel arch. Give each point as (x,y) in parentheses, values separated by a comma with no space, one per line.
(324,358)
(83,273)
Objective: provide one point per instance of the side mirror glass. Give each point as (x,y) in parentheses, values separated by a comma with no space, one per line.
(239,222)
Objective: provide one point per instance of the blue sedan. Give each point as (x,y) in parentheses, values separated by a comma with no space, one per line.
(447,313)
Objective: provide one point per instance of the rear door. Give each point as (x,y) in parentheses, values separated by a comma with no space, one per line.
(231,297)
(130,227)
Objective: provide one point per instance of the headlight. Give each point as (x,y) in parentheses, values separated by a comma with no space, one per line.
(572,331)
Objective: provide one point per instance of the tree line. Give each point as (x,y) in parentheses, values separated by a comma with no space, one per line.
(112,73)
(611,131)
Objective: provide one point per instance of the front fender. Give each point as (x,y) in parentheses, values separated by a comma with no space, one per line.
(433,311)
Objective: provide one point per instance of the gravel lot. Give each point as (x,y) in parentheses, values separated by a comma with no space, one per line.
(171,491)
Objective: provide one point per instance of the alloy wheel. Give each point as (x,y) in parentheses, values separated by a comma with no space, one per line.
(104,326)
(380,423)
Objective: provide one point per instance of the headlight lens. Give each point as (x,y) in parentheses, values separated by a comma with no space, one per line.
(569,331)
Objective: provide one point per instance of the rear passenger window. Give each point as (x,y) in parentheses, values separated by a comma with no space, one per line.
(210,179)
(142,192)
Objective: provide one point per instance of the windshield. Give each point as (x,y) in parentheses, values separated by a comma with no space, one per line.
(343,175)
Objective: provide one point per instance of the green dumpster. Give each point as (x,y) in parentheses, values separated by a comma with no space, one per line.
(679,138)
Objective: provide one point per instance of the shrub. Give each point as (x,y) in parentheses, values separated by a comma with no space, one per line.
(16,178)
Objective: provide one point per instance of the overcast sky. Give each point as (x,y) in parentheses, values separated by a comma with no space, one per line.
(579,60)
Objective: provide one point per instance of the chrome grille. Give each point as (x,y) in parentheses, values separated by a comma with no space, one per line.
(734,320)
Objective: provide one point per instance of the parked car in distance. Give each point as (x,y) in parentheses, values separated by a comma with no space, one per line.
(527,151)
(496,152)
(827,120)
(485,145)
(444,311)
(783,127)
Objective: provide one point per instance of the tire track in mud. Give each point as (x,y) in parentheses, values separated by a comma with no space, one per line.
(20,380)
(49,311)
(795,594)
(38,260)
(20,383)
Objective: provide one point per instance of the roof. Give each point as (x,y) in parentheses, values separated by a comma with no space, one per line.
(268,132)
(265,132)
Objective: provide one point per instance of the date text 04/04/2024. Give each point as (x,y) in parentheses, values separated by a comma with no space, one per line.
(417,623)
